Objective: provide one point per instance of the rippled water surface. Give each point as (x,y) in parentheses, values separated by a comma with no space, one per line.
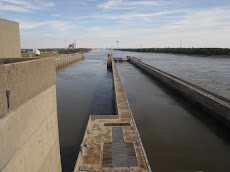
(210,73)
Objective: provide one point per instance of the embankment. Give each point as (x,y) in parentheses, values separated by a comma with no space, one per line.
(216,105)
(65,61)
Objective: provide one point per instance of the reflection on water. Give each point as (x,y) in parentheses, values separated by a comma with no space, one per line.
(83,89)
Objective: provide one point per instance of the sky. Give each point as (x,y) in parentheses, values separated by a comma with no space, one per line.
(134,23)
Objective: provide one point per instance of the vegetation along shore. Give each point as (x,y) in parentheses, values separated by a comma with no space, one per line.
(189,51)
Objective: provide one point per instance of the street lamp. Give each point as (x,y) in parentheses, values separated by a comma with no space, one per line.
(117,48)
(141,51)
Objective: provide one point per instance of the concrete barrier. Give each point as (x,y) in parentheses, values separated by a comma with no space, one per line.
(97,134)
(29,130)
(65,61)
(216,105)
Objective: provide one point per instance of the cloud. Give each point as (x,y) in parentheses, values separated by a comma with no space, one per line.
(24,6)
(147,17)
(120,4)
(15,8)
(54,24)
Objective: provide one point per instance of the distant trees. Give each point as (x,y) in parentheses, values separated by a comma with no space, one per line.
(190,51)
(58,50)
(69,51)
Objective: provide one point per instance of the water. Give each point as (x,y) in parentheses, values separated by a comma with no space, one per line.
(176,135)
(84,88)
(210,73)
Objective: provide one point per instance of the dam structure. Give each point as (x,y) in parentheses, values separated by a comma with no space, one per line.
(214,104)
(112,142)
(66,61)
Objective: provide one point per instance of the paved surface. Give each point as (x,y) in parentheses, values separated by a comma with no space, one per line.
(118,153)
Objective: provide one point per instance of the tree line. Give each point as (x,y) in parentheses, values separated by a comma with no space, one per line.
(70,51)
(58,50)
(190,51)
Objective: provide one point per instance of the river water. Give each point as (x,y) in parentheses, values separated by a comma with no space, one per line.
(210,73)
(176,135)
(83,89)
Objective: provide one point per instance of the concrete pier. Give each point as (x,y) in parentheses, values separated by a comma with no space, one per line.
(112,142)
(66,61)
(216,105)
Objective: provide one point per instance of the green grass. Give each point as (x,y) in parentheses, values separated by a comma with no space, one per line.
(42,55)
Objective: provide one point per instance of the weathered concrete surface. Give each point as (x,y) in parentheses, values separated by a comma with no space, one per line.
(216,105)
(9,39)
(29,135)
(25,79)
(97,134)
(65,61)
(29,131)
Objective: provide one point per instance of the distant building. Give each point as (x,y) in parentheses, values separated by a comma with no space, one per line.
(71,46)
(9,39)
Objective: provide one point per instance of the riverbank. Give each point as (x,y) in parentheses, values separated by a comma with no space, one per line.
(43,55)
(203,52)
(65,61)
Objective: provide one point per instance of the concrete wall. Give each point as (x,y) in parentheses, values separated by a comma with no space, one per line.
(29,131)
(9,39)
(216,105)
(65,61)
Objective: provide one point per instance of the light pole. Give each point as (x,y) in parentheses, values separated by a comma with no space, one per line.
(141,49)
(117,49)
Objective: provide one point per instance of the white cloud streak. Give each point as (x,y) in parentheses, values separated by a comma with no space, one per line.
(120,4)
(4,7)
(24,6)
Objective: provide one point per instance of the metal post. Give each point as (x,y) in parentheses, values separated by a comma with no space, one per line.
(117,50)
(141,51)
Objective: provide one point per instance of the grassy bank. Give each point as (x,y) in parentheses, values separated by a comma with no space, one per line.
(54,52)
(43,55)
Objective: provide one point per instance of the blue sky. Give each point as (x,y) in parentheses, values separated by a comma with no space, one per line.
(100,23)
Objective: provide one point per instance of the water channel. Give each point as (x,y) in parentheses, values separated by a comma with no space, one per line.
(176,135)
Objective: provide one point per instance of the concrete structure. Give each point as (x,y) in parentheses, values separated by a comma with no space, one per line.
(29,131)
(72,46)
(216,105)
(65,61)
(99,148)
(9,39)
